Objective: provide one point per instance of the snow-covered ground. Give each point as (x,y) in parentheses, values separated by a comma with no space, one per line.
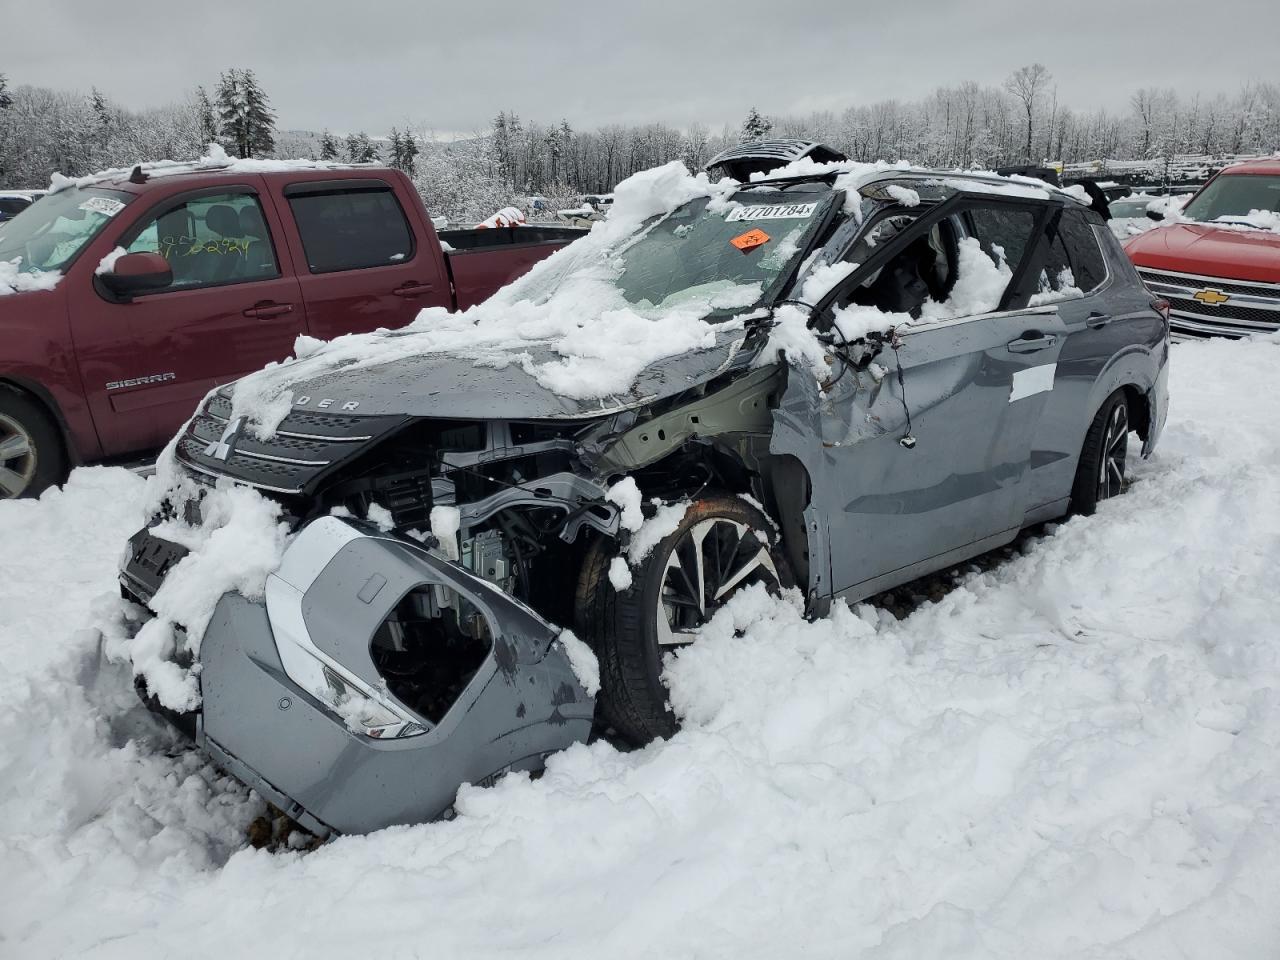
(1075,754)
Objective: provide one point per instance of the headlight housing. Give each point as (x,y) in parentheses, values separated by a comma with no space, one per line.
(366,710)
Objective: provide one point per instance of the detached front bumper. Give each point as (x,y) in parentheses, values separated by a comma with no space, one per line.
(337,586)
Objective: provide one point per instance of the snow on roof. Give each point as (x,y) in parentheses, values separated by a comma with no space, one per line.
(853,176)
(215,160)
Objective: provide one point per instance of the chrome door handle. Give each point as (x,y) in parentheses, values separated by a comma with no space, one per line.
(1032,342)
(1097,320)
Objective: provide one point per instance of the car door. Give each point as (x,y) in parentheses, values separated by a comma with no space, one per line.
(233,307)
(1099,316)
(360,264)
(925,452)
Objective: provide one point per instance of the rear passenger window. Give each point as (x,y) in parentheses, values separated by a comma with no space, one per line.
(352,229)
(211,240)
(1082,246)
(1057,279)
(1003,232)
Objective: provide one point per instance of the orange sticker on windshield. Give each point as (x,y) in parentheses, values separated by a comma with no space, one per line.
(750,240)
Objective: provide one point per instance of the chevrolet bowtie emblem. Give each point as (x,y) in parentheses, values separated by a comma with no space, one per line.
(224,446)
(1210,296)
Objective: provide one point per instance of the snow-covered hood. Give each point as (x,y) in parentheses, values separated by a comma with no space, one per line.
(1208,250)
(457,386)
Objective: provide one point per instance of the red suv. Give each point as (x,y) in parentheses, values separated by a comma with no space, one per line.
(131,294)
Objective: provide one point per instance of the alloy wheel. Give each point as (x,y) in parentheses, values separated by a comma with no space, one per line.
(1115,446)
(712,561)
(17,458)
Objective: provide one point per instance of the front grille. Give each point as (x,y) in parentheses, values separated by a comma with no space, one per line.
(1193,282)
(304,446)
(1266,320)
(1253,307)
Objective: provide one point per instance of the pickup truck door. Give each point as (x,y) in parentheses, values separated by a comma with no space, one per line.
(975,388)
(233,306)
(363,260)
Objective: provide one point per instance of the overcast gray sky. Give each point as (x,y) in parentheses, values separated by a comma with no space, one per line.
(454,65)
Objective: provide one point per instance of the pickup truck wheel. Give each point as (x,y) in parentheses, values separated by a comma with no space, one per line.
(31,456)
(721,546)
(1100,474)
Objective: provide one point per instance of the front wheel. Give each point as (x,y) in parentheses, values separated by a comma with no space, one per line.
(31,455)
(721,546)
(1100,474)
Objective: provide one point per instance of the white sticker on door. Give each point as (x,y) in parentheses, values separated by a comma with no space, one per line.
(1033,380)
(772,211)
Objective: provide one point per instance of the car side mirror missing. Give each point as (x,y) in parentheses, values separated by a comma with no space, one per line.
(136,273)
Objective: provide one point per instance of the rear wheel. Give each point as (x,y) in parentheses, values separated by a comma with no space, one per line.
(31,456)
(721,546)
(1100,474)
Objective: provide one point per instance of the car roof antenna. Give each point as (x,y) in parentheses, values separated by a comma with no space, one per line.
(138,176)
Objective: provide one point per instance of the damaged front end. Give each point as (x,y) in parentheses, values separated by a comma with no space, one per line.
(373,679)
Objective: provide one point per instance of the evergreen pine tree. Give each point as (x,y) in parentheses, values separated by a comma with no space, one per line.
(206,119)
(360,148)
(755,127)
(6,101)
(261,118)
(397,150)
(328,146)
(247,121)
(409,153)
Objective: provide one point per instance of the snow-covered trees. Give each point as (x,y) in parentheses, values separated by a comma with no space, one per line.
(328,146)
(247,123)
(755,127)
(1027,85)
(360,148)
(404,151)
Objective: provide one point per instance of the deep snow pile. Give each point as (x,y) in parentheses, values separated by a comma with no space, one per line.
(1076,754)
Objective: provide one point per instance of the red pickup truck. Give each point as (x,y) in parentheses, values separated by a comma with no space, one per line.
(127,296)
(1217,261)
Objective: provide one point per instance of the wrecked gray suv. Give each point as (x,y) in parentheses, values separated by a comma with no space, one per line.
(978,351)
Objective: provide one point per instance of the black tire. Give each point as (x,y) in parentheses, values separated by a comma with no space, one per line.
(31,454)
(1100,473)
(623,627)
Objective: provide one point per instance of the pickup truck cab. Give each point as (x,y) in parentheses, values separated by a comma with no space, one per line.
(125,297)
(1217,262)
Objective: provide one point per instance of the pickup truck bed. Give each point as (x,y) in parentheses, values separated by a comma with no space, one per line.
(479,259)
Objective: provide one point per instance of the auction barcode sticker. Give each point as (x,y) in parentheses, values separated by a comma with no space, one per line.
(103,205)
(772,211)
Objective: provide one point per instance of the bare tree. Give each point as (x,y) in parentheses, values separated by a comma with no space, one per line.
(1027,84)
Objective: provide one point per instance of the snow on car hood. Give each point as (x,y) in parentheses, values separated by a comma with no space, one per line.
(1209,250)
(503,385)
(560,341)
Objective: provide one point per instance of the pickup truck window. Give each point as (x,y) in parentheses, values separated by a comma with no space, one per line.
(210,240)
(351,229)
(50,234)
